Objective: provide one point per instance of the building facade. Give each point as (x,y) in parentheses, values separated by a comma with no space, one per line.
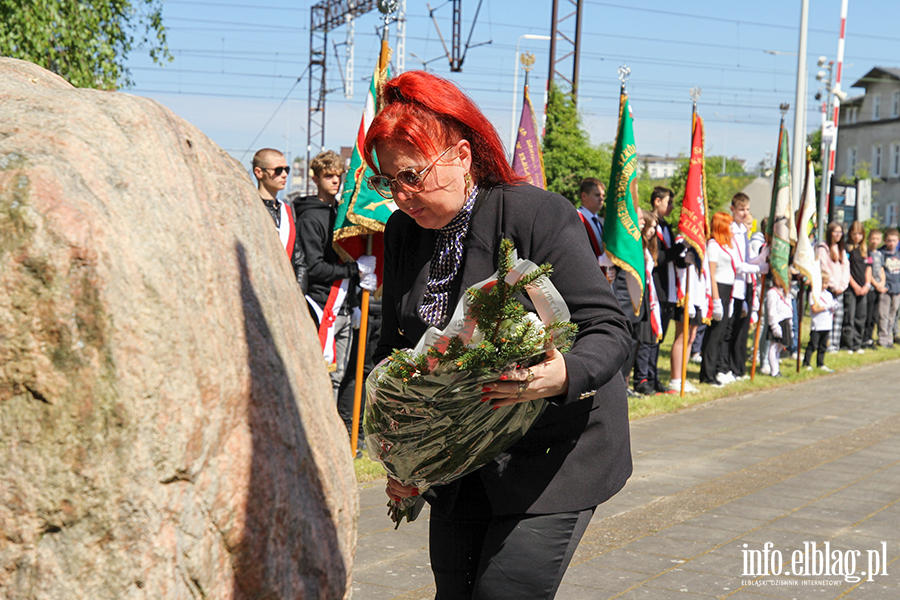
(869,140)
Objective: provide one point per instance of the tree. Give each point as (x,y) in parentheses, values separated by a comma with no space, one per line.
(719,190)
(569,156)
(83,41)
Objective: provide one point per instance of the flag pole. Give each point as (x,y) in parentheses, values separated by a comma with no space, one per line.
(801,301)
(360,359)
(761,321)
(685,322)
(364,303)
(801,309)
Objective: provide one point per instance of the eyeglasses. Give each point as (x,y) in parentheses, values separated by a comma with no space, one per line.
(408,178)
(278,170)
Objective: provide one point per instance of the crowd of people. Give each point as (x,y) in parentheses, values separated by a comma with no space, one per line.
(510,528)
(859,295)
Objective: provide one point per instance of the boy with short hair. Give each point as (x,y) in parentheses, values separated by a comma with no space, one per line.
(889,302)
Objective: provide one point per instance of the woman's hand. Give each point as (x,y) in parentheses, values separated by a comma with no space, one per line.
(396,491)
(543,380)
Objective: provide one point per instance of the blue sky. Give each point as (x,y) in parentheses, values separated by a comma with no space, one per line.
(237,62)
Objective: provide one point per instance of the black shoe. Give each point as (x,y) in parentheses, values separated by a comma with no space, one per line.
(659,388)
(645,388)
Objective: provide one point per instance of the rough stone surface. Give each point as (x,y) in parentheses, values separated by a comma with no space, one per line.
(167,428)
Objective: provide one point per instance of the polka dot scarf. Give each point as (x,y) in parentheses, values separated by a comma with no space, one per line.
(445,263)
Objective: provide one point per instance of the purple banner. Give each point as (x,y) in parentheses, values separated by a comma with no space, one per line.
(528,162)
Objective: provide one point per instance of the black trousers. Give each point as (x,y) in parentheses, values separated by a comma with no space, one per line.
(739,332)
(871,316)
(347,388)
(476,555)
(715,342)
(818,343)
(647,359)
(854,319)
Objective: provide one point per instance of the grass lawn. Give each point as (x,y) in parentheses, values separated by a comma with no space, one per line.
(369,470)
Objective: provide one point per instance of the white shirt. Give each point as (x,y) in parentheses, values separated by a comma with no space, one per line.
(595,222)
(779,307)
(824,320)
(724,259)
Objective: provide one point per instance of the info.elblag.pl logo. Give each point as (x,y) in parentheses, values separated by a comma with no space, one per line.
(815,560)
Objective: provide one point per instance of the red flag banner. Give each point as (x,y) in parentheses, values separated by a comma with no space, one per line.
(692,224)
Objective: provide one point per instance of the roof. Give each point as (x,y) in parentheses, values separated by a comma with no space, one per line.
(878,73)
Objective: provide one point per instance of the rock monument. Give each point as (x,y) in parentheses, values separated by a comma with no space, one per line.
(167,428)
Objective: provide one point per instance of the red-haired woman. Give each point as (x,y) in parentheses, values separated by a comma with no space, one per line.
(722,256)
(509,529)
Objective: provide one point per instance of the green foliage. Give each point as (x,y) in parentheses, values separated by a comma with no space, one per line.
(510,334)
(84,41)
(719,190)
(569,156)
(863,170)
(732,167)
(814,140)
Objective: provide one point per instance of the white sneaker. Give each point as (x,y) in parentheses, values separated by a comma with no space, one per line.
(794,355)
(860,351)
(808,368)
(696,358)
(675,386)
(849,351)
(725,378)
(765,370)
(826,369)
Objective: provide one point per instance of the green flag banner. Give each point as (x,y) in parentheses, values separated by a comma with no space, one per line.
(621,233)
(362,211)
(782,228)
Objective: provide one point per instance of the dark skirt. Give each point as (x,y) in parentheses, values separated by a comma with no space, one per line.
(786,333)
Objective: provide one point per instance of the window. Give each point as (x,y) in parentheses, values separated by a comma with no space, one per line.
(854,115)
(876,107)
(851,162)
(894,166)
(876,161)
(895,104)
(891,215)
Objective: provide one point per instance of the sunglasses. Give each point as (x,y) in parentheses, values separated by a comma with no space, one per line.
(278,170)
(409,179)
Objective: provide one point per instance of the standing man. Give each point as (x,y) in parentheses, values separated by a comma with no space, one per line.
(271,171)
(742,291)
(669,257)
(592,193)
(332,283)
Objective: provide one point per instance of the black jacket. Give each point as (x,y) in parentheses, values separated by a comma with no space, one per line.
(665,257)
(298,258)
(578,453)
(315,230)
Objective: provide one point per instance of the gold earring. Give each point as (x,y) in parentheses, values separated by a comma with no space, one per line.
(468,179)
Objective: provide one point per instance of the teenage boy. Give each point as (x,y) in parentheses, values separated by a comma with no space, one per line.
(876,259)
(271,172)
(742,292)
(591,194)
(332,284)
(669,257)
(889,302)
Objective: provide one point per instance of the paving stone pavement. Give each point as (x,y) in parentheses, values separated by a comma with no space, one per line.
(740,498)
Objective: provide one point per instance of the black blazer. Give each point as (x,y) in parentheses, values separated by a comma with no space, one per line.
(578,454)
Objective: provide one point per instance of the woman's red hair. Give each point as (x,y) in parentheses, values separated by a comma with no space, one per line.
(429,113)
(721,228)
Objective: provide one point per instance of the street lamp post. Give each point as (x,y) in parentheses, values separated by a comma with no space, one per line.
(512,119)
